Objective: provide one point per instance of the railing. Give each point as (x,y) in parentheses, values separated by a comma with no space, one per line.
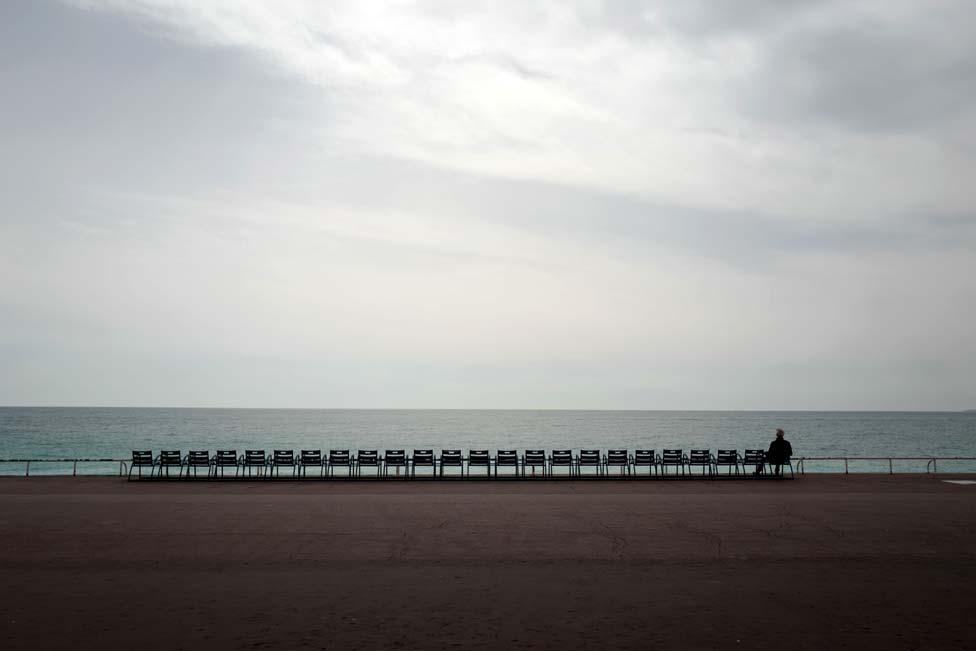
(931,463)
(123,465)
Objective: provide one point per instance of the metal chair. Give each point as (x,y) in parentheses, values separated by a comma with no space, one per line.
(367,459)
(451,459)
(196,459)
(169,459)
(729,459)
(255,459)
(700,459)
(589,459)
(395,459)
(672,459)
(754,458)
(534,459)
(646,458)
(561,459)
(142,459)
(507,459)
(777,466)
(423,459)
(313,459)
(619,459)
(339,458)
(226,459)
(280,459)
(479,459)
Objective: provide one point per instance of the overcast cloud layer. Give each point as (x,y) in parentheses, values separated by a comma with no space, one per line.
(621,204)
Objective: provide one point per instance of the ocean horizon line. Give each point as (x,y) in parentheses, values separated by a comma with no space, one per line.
(504,409)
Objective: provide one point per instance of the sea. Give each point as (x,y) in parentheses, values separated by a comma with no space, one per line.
(51,433)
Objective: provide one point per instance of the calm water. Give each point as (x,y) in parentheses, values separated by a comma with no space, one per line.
(50,433)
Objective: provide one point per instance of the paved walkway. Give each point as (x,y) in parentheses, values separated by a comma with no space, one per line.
(860,561)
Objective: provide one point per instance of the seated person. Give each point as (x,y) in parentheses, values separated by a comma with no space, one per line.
(779,452)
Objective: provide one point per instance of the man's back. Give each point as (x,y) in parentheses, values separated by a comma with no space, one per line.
(779,450)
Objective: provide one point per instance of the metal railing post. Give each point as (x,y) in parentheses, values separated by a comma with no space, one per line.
(845,466)
(74,469)
(891,467)
(27,472)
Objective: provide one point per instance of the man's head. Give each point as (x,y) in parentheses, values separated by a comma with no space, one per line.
(779,433)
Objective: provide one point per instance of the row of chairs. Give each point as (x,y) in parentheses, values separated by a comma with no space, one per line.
(531,463)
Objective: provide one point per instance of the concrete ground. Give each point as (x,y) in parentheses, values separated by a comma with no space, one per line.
(866,562)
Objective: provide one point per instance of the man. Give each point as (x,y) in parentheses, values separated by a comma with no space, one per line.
(779,452)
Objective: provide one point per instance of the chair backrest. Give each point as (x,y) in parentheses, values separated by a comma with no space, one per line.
(644,458)
(672,456)
(561,457)
(534,458)
(284,457)
(170,458)
(479,458)
(423,457)
(311,457)
(727,457)
(142,458)
(754,456)
(368,457)
(254,457)
(589,457)
(198,458)
(506,458)
(700,457)
(450,457)
(617,457)
(226,458)
(395,457)
(339,457)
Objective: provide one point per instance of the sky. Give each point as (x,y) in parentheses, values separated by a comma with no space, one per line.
(578,204)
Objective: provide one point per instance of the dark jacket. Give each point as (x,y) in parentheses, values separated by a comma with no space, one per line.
(779,451)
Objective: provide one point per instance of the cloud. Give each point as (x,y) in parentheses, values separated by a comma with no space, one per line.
(714,105)
(485,204)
